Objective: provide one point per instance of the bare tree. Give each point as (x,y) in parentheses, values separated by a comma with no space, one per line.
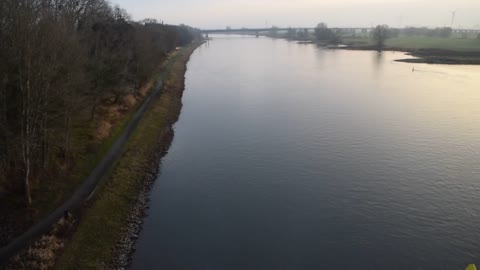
(322,32)
(380,35)
(58,56)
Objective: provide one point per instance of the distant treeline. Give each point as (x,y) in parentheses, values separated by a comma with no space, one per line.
(323,33)
(62,56)
(443,32)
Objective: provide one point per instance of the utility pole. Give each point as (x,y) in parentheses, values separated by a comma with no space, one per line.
(453,17)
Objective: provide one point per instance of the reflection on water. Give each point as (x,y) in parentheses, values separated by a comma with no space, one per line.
(378,61)
(289,156)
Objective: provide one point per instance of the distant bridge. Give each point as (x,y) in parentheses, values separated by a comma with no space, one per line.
(260,30)
(244,30)
(361,31)
(343,29)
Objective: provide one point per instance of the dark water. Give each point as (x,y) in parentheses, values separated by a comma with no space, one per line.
(287,156)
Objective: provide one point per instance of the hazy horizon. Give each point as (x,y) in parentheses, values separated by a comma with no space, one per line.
(210,14)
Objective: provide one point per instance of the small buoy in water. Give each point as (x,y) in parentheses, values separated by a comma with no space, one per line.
(471,267)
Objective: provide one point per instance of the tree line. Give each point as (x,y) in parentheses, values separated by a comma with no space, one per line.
(441,32)
(321,34)
(62,56)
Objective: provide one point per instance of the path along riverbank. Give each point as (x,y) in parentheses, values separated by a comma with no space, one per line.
(104,230)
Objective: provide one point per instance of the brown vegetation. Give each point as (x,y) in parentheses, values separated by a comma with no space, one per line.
(65,63)
(117,204)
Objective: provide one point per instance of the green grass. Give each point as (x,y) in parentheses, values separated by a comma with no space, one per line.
(52,192)
(102,223)
(414,43)
(357,41)
(454,44)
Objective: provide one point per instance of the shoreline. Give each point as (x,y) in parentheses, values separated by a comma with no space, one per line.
(124,249)
(428,56)
(122,196)
(422,56)
(16,218)
(124,233)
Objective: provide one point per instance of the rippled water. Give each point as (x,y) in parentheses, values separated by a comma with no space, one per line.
(288,156)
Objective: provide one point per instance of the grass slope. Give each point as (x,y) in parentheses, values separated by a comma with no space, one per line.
(101,227)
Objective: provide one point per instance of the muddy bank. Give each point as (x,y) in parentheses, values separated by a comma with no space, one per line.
(437,56)
(441,60)
(429,56)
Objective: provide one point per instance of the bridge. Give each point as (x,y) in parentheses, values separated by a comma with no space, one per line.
(361,31)
(260,30)
(244,30)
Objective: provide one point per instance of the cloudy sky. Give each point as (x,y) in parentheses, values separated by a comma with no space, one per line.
(210,14)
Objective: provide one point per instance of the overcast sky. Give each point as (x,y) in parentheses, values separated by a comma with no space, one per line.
(209,14)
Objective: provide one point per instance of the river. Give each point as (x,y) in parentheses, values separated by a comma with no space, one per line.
(289,156)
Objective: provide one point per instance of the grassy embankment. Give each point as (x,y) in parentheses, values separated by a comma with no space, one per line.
(429,49)
(101,226)
(88,149)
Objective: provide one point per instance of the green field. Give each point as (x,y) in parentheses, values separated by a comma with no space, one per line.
(413,43)
(454,44)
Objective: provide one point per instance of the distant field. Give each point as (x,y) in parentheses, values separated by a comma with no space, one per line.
(455,44)
(435,43)
(357,41)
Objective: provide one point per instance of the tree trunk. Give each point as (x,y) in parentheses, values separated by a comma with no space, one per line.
(28,196)
(67,132)
(45,141)
(94,108)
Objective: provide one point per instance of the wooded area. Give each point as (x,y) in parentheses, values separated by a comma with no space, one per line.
(60,57)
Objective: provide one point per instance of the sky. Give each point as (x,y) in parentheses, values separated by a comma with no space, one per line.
(218,14)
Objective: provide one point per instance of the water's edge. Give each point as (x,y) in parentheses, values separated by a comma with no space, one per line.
(290,156)
(125,248)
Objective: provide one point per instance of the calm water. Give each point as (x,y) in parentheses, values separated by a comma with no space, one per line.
(288,156)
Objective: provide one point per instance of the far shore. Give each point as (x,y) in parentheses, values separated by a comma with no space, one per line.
(448,51)
(429,55)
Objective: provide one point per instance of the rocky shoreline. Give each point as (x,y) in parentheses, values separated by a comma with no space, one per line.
(125,248)
(46,252)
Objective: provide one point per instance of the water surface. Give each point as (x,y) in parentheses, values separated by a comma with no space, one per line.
(289,156)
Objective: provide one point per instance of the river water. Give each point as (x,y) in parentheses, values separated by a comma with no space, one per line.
(289,156)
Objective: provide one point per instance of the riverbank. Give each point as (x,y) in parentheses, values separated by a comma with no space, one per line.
(287,156)
(121,197)
(428,56)
(91,139)
(429,50)
(426,49)
(114,221)
(466,53)
(435,56)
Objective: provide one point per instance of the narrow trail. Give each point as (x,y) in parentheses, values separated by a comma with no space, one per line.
(87,188)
